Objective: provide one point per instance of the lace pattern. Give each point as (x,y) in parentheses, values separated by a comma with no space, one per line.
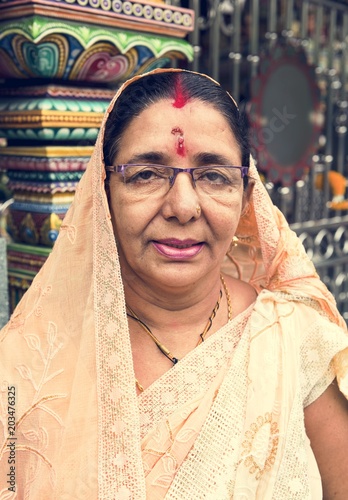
(192,377)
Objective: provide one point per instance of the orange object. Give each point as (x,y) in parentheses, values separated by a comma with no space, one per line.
(337,182)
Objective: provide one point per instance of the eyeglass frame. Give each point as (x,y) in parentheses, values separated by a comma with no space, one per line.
(120,169)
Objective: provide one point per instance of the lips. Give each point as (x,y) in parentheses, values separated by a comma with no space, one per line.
(178,249)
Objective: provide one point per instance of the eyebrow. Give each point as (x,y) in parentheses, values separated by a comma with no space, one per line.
(200,159)
(149,157)
(212,159)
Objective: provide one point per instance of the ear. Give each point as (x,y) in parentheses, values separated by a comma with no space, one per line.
(247,195)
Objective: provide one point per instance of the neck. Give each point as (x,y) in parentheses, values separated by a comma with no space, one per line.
(172,315)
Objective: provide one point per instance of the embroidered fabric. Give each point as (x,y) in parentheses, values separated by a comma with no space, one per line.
(82,432)
(191,378)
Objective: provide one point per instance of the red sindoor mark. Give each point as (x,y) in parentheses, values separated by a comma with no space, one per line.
(180,97)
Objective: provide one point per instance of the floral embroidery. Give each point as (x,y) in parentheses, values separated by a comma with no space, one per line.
(70,231)
(165,480)
(260,458)
(17,319)
(169,463)
(38,438)
(185,435)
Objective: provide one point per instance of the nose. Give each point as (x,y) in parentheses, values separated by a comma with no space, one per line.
(181,201)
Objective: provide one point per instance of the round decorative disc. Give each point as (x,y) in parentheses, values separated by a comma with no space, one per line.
(285,114)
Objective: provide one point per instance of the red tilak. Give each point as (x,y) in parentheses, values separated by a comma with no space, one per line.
(180,147)
(180,98)
(177,130)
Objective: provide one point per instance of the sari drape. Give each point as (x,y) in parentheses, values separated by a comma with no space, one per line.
(226,422)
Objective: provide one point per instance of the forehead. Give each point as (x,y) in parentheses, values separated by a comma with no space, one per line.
(201,126)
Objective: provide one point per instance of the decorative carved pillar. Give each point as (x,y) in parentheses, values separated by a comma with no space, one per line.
(61,62)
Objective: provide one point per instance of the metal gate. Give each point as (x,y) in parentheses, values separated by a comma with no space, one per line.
(229,39)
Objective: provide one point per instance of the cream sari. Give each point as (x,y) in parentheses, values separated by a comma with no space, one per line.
(226,422)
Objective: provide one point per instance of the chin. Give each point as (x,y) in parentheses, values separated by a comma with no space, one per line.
(177,276)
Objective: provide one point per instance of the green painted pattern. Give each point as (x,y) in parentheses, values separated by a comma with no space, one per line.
(23,104)
(52,134)
(37,27)
(16,175)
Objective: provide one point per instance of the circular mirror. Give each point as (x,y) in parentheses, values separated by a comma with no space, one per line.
(284,114)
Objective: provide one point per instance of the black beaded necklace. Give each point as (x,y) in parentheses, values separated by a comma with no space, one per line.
(161,347)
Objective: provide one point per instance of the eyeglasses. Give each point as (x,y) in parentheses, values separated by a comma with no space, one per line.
(215,180)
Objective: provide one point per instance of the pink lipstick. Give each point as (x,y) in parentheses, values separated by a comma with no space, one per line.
(178,249)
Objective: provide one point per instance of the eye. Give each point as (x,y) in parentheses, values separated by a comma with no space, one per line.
(213,176)
(144,174)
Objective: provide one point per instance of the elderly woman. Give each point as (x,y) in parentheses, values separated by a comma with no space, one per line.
(143,363)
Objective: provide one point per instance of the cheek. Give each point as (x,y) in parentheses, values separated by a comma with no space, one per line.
(121,216)
(129,220)
(126,224)
(224,222)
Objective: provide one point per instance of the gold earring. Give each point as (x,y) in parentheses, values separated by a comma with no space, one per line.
(233,244)
(198,209)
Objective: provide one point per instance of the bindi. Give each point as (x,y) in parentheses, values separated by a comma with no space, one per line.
(180,97)
(180,145)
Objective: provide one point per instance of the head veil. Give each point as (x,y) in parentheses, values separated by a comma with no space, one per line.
(67,353)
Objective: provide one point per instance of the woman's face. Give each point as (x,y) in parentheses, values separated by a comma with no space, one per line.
(165,241)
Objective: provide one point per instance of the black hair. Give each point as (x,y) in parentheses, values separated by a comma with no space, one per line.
(147,90)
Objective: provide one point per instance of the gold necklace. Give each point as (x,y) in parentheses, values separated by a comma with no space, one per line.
(228,298)
(201,339)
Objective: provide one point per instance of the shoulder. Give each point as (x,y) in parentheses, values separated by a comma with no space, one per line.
(242,294)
